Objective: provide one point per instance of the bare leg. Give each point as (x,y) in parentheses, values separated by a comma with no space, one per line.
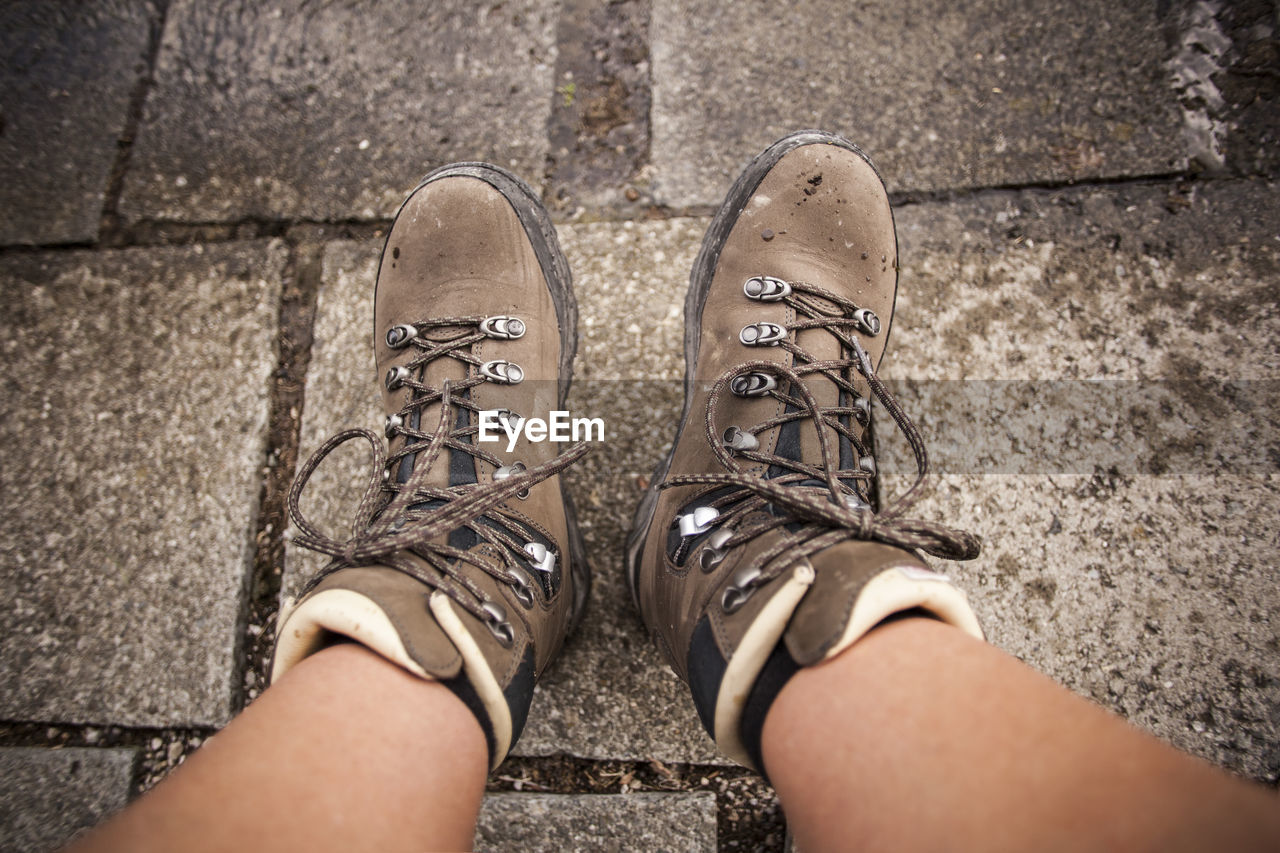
(347,752)
(921,738)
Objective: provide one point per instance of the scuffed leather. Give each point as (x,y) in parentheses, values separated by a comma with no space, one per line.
(829,223)
(458,249)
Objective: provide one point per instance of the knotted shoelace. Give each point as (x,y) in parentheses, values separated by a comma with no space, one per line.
(815,517)
(394,518)
(456,346)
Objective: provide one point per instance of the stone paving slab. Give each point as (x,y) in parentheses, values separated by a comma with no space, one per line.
(604,822)
(615,696)
(340,393)
(295,110)
(1140,284)
(48,796)
(132,438)
(1248,118)
(610,696)
(942,95)
(67,73)
(1150,587)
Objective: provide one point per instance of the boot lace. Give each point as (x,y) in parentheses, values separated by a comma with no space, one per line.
(817,505)
(399,514)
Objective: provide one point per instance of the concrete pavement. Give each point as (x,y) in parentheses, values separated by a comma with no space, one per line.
(192,200)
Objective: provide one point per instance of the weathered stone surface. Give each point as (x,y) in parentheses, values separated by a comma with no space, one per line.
(1250,88)
(1151,587)
(598,132)
(614,695)
(288,109)
(942,95)
(612,822)
(1223,65)
(67,72)
(630,279)
(610,696)
(48,796)
(132,436)
(341,393)
(1114,582)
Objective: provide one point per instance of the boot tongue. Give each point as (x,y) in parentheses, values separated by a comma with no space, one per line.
(450,469)
(459,470)
(789,446)
(466,539)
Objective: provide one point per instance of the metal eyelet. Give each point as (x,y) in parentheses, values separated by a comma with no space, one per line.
(867,321)
(502,372)
(522,586)
(713,554)
(698,521)
(392,425)
(764,288)
(742,587)
(540,557)
(862,410)
(855,502)
(868,464)
(508,470)
(753,384)
(396,377)
(737,439)
(504,415)
(495,619)
(762,335)
(503,327)
(399,336)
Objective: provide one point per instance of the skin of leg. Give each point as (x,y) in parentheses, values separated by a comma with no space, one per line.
(919,737)
(346,752)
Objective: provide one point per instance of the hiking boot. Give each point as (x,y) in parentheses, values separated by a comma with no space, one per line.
(466,565)
(757,549)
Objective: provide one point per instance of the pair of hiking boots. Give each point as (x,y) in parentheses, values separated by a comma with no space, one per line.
(756,550)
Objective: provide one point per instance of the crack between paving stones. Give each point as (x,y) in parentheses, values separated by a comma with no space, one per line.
(295,326)
(109,230)
(161,233)
(598,128)
(159,749)
(907,198)
(748,814)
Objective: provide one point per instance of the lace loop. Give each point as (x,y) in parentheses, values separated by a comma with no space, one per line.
(816,502)
(417,516)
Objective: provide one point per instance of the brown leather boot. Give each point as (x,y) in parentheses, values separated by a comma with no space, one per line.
(757,550)
(466,565)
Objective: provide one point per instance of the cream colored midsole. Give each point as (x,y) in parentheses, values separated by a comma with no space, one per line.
(338,611)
